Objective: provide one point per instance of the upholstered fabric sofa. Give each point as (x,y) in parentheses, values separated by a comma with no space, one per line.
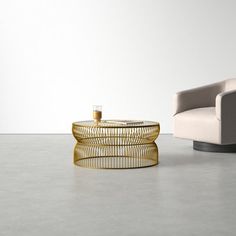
(207,115)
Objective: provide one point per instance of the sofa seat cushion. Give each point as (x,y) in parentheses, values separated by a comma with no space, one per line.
(200,124)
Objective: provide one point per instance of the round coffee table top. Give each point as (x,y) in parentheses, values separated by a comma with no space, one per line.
(106,133)
(115,124)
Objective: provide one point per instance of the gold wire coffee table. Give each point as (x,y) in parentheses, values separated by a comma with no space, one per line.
(115,146)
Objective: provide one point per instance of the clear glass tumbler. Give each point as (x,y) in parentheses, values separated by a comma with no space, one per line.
(97,113)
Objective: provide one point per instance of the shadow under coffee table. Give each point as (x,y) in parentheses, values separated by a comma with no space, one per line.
(115,146)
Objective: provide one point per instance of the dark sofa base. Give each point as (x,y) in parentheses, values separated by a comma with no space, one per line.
(209,147)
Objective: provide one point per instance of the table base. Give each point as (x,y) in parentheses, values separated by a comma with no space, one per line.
(116,157)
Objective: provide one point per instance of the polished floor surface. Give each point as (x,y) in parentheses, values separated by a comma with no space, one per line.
(43,193)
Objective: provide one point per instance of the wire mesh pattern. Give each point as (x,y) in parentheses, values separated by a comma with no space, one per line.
(88,132)
(115,146)
(116,157)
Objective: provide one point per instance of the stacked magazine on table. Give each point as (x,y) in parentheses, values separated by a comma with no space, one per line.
(124,122)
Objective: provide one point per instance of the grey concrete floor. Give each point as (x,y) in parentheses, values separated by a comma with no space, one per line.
(43,193)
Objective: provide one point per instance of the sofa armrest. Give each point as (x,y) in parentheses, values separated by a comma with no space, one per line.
(226,106)
(226,114)
(204,96)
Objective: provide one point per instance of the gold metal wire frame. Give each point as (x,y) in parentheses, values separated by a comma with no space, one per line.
(103,133)
(115,146)
(115,157)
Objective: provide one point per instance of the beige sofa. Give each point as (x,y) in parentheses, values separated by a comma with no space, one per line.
(207,115)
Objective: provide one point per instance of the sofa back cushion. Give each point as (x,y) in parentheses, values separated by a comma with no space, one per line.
(230,84)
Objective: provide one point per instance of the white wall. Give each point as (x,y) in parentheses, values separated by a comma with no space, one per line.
(57,58)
